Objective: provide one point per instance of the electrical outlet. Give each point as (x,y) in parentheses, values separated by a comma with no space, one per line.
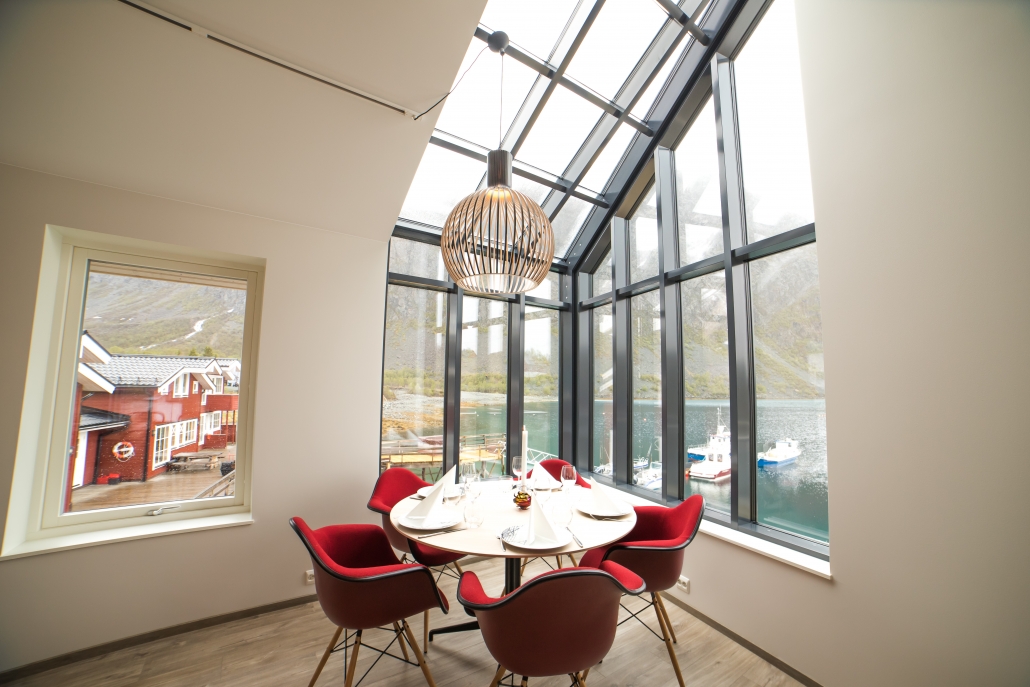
(683,584)
(309,577)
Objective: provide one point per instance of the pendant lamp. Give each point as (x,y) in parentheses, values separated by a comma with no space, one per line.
(497,240)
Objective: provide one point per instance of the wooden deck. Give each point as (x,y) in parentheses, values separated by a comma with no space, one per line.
(170,486)
(283,647)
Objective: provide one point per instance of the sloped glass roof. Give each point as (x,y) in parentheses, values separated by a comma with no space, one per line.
(568,133)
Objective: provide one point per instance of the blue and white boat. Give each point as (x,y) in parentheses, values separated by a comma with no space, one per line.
(718,444)
(785,452)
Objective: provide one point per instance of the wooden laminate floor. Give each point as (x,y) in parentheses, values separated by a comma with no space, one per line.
(282,648)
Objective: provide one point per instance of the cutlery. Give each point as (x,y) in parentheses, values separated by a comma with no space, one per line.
(503,547)
(578,542)
(434,534)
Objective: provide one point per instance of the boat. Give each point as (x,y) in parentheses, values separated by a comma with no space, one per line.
(718,443)
(785,452)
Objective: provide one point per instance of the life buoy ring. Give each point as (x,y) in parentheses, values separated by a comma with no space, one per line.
(123,451)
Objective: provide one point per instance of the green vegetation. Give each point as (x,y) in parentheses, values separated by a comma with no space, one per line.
(488,382)
(413,381)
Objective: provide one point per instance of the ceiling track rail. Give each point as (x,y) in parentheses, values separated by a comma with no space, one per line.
(254,52)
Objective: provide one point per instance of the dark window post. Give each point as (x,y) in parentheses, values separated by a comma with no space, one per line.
(584,375)
(671,334)
(566,380)
(516,354)
(452,380)
(738,299)
(622,396)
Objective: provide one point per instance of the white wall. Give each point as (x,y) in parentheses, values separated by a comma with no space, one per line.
(918,116)
(315,432)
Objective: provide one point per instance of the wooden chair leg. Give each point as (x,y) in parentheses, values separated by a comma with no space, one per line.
(557,559)
(525,681)
(497,676)
(525,562)
(668,642)
(353,667)
(404,647)
(668,622)
(325,656)
(425,631)
(573,559)
(418,654)
(460,571)
(583,677)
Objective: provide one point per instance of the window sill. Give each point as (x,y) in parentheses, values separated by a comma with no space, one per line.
(64,542)
(798,559)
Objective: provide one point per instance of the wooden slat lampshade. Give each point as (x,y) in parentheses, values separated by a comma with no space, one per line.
(497,240)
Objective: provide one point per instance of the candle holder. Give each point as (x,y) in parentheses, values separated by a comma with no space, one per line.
(523,499)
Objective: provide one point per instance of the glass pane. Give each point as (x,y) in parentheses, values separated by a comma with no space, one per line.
(549,287)
(413,374)
(698,195)
(603,419)
(773,137)
(601,171)
(443,178)
(706,389)
(541,417)
(601,279)
(648,97)
(647,390)
(615,43)
(643,240)
(533,25)
(471,111)
(159,362)
(790,393)
(482,422)
(568,222)
(417,259)
(538,192)
(558,133)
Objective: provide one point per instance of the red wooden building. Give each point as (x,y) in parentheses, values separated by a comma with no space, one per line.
(134,412)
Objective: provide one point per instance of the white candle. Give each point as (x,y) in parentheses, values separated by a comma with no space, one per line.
(525,454)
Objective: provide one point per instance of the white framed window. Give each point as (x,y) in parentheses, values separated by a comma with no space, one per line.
(217,383)
(182,386)
(210,423)
(196,386)
(81,276)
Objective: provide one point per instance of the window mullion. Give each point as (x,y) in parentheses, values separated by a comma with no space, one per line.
(566,380)
(452,380)
(671,327)
(622,357)
(584,362)
(516,396)
(738,302)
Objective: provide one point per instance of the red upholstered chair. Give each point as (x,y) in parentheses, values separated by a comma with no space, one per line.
(553,467)
(653,549)
(394,485)
(361,585)
(528,631)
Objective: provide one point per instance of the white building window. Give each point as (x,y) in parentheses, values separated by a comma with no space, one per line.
(170,437)
(182,386)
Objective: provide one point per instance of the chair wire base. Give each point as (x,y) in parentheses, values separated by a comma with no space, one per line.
(632,615)
(352,639)
(509,681)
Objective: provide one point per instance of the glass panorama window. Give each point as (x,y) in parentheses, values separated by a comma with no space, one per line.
(790,408)
(417,259)
(483,420)
(773,135)
(647,390)
(540,383)
(643,240)
(604,379)
(698,197)
(413,380)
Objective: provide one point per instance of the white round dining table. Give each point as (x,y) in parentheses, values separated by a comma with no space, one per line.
(500,513)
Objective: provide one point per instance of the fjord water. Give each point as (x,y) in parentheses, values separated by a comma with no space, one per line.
(792,497)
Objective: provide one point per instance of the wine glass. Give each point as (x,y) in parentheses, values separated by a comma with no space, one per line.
(474,514)
(568,477)
(469,480)
(561,512)
(516,467)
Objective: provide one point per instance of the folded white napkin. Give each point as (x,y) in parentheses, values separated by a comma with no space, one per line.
(541,532)
(542,479)
(428,513)
(602,504)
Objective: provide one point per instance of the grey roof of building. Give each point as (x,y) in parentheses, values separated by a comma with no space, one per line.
(147,370)
(94,418)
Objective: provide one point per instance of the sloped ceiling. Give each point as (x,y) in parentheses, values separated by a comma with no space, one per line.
(100,91)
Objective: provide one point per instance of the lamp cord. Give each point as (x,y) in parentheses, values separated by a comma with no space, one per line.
(418,116)
(500,110)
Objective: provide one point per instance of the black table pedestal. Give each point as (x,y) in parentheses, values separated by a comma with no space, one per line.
(512,580)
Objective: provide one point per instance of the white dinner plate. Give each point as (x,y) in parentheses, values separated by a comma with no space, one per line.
(513,536)
(450,491)
(442,523)
(623,509)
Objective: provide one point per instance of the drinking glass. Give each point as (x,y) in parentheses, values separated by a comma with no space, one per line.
(474,514)
(561,512)
(470,480)
(568,477)
(516,467)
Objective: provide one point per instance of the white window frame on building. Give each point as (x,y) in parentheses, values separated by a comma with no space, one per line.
(36,522)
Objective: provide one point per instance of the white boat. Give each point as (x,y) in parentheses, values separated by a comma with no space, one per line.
(711,462)
(785,452)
